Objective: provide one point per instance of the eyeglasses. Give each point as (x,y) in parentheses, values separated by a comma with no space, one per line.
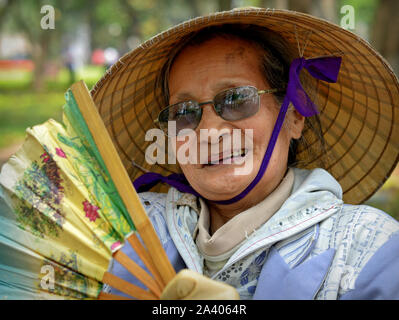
(231,105)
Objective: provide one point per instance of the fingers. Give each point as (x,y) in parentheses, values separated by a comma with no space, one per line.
(190,285)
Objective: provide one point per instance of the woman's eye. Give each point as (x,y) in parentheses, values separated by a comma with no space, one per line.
(180,113)
(183,112)
(237,100)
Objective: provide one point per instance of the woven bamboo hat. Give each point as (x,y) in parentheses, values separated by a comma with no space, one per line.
(359,114)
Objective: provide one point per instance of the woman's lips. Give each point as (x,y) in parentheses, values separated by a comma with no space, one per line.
(231,158)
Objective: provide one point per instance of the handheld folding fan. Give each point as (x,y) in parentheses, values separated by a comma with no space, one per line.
(67,206)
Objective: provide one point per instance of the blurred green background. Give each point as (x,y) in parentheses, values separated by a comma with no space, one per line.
(38,65)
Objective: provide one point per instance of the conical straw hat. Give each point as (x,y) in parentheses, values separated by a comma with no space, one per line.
(359,114)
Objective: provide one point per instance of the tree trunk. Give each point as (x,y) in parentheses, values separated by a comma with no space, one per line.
(304,6)
(195,8)
(326,9)
(134,26)
(274,4)
(281,4)
(40,55)
(385,30)
(225,5)
(3,11)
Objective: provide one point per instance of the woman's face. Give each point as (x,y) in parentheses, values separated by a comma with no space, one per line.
(199,73)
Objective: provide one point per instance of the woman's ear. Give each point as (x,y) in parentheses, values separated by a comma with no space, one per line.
(296,123)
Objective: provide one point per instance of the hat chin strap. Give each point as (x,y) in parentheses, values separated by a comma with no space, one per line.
(324,68)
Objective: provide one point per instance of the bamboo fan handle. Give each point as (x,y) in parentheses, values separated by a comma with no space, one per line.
(155,285)
(145,257)
(138,272)
(121,180)
(128,288)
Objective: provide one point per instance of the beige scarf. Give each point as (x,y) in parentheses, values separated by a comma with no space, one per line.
(219,247)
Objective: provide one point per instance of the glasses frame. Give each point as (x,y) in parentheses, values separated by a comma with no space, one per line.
(202,104)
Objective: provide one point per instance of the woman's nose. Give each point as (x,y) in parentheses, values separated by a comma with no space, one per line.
(210,119)
(216,127)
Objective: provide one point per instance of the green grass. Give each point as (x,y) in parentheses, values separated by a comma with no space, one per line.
(25,109)
(21,108)
(387,198)
(387,201)
(16,80)
(90,74)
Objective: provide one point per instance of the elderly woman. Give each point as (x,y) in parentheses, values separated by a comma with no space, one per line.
(280,229)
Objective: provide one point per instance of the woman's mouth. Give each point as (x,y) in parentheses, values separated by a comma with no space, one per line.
(235,157)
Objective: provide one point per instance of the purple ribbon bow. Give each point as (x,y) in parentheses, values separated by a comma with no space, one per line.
(323,68)
(148,180)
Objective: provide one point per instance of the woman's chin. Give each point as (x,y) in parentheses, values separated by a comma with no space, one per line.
(221,181)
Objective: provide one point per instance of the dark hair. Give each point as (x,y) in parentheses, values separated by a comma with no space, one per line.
(275,57)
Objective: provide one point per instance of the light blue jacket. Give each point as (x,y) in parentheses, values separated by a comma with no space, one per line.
(313,247)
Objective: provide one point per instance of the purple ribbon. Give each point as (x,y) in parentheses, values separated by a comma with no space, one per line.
(324,68)
(148,180)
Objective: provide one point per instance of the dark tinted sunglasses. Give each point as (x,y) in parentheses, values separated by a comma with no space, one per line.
(231,105)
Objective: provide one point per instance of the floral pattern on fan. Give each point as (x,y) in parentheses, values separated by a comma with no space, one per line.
(41,181)
(91,210)
(66,280)
(97,206)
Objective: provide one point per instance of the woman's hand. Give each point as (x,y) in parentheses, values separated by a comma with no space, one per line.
(190,285)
